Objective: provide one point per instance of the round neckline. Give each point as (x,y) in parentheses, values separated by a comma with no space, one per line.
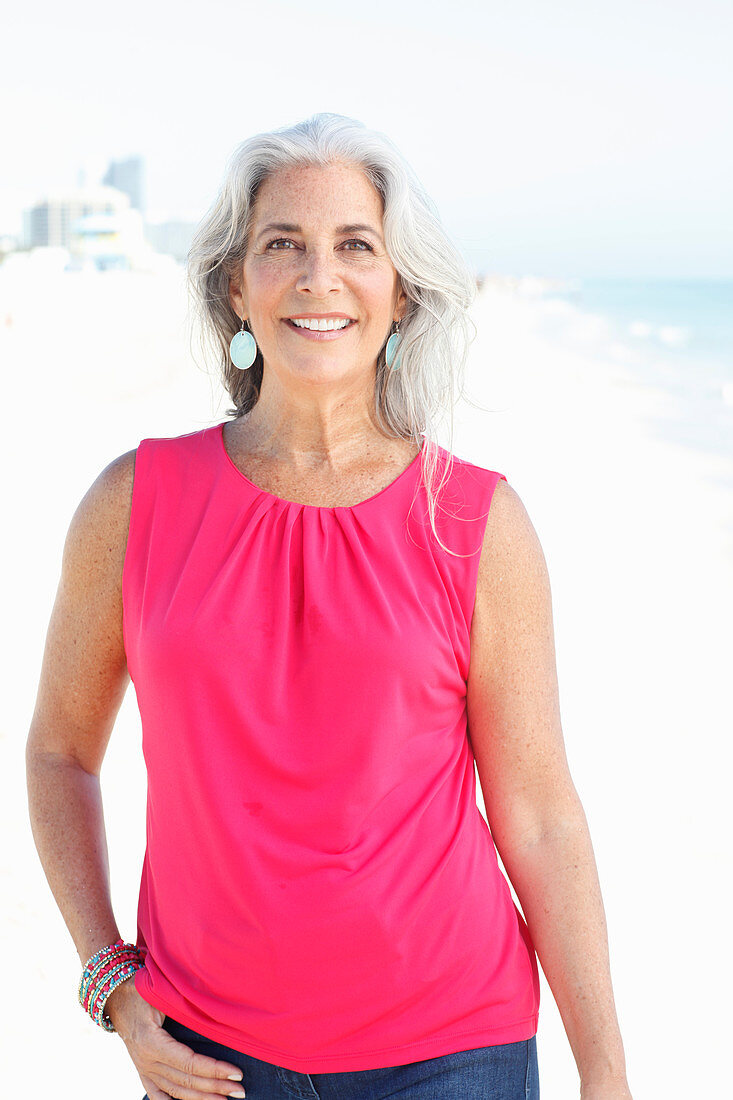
(314,507)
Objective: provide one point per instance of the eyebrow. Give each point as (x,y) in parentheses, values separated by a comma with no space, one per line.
(287,227)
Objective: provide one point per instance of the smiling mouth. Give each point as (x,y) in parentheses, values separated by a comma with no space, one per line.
(320,325)
(327,333)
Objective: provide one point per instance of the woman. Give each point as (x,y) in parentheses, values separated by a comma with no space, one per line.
(327,618)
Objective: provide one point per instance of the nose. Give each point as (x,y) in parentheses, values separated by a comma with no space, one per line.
(319,274)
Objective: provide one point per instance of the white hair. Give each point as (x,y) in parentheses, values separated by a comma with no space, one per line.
(411,402)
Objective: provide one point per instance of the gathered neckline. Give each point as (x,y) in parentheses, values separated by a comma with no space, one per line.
(299,504)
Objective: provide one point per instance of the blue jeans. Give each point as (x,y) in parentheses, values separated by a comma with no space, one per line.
(504,1072)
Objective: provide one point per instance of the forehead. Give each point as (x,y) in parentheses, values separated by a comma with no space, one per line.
(339,191)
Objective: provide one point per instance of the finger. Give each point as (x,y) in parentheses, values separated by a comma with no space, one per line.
(184,1086)
(180,1092)
(193,1064)
(152,1091)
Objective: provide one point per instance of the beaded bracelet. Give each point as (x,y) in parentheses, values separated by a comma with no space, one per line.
(104,972)
(101,964)
(108,968)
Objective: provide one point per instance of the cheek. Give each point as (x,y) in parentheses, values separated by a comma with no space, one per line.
(263,285)
(379,293)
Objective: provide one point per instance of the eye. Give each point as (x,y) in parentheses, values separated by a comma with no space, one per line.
(279,240)
(355,240)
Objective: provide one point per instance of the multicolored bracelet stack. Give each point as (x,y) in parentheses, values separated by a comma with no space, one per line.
(106,970)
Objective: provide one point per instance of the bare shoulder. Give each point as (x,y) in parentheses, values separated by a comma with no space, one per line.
(511,553)
(97,537)
(512,615)
(111,491)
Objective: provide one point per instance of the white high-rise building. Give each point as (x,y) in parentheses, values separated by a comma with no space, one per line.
(97,227)
(49,222)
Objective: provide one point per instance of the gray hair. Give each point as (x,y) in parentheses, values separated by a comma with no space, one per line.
(440,288)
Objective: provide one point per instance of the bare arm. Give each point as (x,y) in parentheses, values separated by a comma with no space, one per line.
(532,807)
(83,681)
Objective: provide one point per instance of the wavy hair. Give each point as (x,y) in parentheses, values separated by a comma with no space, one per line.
(435,334)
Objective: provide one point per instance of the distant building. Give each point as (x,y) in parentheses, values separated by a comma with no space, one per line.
(127,176)
(49,222)
(97,227)
(173,238)
(106,241)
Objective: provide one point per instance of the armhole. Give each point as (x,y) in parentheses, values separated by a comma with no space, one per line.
(492,480)
(135,507)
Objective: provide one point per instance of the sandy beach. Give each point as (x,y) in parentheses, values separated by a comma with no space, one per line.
(638,537)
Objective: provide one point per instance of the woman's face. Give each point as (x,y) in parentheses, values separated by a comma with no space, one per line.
(317,248)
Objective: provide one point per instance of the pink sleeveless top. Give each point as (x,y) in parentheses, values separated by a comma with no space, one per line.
(319,889)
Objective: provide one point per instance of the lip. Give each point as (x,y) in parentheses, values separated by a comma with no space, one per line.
(318,317)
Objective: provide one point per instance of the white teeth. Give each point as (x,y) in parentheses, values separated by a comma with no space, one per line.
(323,325)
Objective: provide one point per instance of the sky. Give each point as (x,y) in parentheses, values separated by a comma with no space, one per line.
(560,139)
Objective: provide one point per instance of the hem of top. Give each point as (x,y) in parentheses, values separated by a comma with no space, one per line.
(519,1031)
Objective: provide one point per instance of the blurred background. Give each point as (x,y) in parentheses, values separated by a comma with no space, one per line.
(579,155)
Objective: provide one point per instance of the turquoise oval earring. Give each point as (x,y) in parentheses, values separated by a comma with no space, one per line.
(243,348)
(390,352)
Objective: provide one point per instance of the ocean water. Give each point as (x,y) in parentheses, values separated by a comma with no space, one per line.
(674,335)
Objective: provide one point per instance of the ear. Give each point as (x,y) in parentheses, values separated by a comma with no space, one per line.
(401,303)
(236,297)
